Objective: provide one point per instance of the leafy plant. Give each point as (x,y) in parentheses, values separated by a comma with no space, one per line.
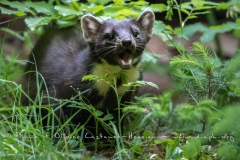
(201,126)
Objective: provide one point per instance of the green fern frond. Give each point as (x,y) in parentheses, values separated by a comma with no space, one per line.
(201,50)
(232,67)
(205,55)
(184,60)
(198,75)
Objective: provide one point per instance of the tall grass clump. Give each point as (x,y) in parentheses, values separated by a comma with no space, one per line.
(200,124)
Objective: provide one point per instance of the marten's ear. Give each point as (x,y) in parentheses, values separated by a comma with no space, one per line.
(146,20)
(90,27)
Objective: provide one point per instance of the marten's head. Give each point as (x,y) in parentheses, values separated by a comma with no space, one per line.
(118,42)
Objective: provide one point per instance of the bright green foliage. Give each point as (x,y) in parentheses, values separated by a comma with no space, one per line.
(203,125)
(67,14)
(211,32)
(208,84)
(171,145)
(203,75)
(192,148)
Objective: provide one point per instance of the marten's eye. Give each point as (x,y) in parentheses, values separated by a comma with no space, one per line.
(109,36)
(135,33)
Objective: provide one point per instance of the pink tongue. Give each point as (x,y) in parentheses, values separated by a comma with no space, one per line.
(126,57)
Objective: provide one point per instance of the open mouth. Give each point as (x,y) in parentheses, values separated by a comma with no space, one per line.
(126,59)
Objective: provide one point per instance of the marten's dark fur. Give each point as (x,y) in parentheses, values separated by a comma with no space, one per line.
(63,56)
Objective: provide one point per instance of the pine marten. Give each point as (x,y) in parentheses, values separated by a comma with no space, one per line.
(96,47)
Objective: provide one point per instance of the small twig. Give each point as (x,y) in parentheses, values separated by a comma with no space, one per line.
(10,20)
(171,41)
(209,85)
(192,96)
(185,20)
(218,89)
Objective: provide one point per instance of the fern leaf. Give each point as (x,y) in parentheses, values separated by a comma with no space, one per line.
(232,67)
(201,50)
(184,60)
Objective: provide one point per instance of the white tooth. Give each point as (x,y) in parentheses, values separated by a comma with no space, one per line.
(129,62)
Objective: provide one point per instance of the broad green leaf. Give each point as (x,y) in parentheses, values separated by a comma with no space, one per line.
(118,2)
(213,30)
(157,141)
(7,11)
(228,151)
(95,9)
(76,6)
(41,7)
(238,22)
(187,6)
(132,108)
(236,33)
(140,3)
(33,23)
(223,6)
(158,7)
(169,13)
(64,24)
(98,113)
(132,84)
(165,142)
(66,11)
(204,8)
(228,117)
(152,84)
(210,33)
(169,144)
(192,17)
(208,36)
(138,149)
(20,6)
(121,75)
(127,12)
(20,13)
(92,1)
(168,27)
(198,3)
(149,58)
(159,26)
(113,9)
(108,117)
(185,11)
(140,83)
(103,2)
(174,151)
(182,36)
(89,77)
(192,149)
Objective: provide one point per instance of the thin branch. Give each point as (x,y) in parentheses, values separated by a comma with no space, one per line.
(192,96)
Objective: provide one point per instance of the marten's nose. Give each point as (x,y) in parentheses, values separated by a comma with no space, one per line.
(126,43)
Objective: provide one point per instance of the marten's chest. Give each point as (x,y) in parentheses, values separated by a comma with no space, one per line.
(113,76)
